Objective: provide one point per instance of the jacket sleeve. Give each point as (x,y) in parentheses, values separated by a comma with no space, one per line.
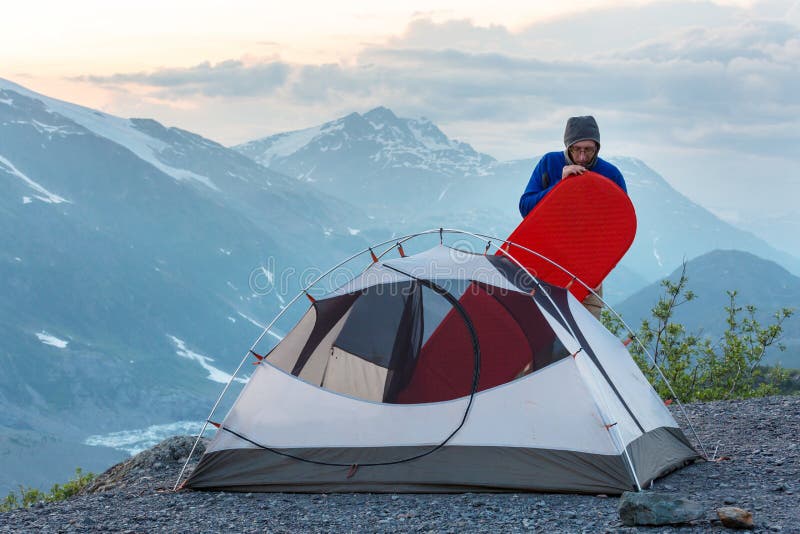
(535,190)
(612,173)
(620,181)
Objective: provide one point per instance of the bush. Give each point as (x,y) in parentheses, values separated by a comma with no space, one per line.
(30,496)
(698,369)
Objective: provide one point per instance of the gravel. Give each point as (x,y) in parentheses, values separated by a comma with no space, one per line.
(758,441)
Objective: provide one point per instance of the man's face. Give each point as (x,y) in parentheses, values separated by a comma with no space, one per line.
(582,152)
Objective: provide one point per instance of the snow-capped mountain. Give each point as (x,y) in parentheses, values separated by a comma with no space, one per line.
(355,158)
(135,268)
(375,157)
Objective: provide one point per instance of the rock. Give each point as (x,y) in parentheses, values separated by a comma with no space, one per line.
(650,508)
(733,517)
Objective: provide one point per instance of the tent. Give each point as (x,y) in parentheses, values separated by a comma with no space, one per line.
(444,371)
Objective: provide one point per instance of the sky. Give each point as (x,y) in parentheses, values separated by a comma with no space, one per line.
(705,92)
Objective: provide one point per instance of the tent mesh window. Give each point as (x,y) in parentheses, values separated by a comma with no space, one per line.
(407,343)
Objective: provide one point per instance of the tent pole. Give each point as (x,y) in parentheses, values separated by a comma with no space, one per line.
(191,453)
(228,385)
(269,326)
(575,277)
(619,317)
(513,259)
(663,377)
(404,238)
(628,459)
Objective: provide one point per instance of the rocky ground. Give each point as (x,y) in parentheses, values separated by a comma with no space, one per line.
(757,443)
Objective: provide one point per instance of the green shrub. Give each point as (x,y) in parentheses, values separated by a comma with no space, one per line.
(698,369)
(30,496)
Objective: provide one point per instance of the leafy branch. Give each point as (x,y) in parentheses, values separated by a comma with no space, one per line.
(696,368)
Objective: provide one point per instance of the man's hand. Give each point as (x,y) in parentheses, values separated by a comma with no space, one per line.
(572,170)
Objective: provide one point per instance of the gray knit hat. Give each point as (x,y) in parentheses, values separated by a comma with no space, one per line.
(581,129)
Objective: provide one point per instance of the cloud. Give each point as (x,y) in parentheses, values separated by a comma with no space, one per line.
(330,82)
(454,34)
(575,35)
(230,78)
(757,40)
(682,74)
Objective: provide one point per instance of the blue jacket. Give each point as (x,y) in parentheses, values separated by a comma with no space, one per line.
(550,167)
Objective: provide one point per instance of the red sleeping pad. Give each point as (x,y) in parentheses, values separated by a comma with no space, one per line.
(585,224)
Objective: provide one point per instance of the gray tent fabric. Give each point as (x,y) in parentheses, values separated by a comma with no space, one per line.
(439,372)
(474,469)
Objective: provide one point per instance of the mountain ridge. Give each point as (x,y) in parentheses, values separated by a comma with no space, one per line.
(126,263)
(759,282)
(481,193)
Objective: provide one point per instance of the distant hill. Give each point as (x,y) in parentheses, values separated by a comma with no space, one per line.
(759,282)
(126,255)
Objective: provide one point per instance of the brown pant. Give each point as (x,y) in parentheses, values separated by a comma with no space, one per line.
(593,303)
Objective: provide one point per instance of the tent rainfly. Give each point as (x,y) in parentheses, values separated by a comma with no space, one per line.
(445,371)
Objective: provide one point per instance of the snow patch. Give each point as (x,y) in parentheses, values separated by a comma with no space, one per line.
(276,335)
(353,231)
(225,251)
(287,144)
(234,175)
(214,374)
(26,200)
(116,129)
(140,439)
(50,129)
(251,320)
(50,198)
(656,254)
(421,131)
(53,341)
(268,274)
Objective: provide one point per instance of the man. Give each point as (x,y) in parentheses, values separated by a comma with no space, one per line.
(582,142)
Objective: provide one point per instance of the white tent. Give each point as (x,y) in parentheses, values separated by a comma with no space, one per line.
(445,371)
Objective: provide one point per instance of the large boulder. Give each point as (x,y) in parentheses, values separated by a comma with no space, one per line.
(650,508)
